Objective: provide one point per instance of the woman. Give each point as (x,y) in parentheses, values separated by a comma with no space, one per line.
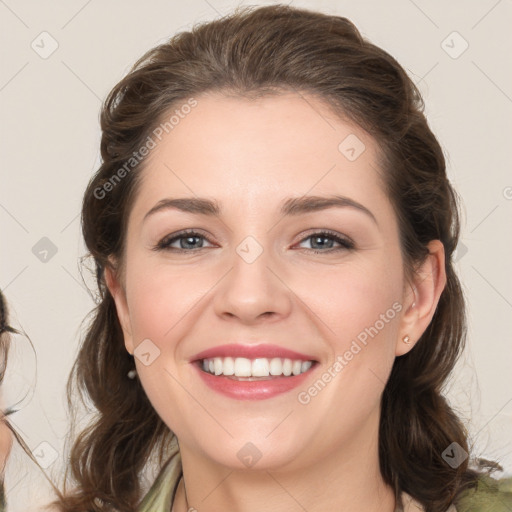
(273,232)
(13,398)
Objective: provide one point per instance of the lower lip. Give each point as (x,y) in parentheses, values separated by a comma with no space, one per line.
(252,390)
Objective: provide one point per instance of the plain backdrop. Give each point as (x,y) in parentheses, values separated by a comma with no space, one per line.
(61,58)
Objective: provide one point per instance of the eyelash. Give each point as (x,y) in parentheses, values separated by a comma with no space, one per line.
(345,243)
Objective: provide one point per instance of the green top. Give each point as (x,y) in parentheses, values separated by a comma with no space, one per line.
(2,497)
(490,496)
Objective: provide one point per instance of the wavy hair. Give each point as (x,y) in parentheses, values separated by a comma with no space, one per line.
(255,52)
(4,351)
(8,334)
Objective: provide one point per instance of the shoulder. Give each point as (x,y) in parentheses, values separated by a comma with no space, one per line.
(490,495)
(160,497)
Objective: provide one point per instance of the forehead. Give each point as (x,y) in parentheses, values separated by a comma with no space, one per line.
(259,150)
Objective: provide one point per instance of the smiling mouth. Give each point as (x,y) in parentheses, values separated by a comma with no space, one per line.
(244,369)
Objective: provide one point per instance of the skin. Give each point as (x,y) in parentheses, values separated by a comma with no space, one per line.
(5,444)
(5,448)
(250,155)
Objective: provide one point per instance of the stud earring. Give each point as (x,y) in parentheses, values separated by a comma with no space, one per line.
(406,339)
(132,373)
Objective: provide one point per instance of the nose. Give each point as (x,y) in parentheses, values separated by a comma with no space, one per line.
(254,290)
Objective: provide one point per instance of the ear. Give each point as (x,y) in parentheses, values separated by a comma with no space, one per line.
(422,296)
(118,292)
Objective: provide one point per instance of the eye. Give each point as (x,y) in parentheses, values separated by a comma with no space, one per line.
(318,241)
(187,241)
(192,241)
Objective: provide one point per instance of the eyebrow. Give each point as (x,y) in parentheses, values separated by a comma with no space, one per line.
(289,207)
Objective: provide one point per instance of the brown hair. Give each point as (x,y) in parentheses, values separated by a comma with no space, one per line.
(5,343)
(257,51)
(7,332)
(5,329)
(4,350)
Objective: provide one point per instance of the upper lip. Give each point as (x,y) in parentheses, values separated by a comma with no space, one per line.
(251,352)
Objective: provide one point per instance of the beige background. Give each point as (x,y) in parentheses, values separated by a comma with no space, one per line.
(50,138)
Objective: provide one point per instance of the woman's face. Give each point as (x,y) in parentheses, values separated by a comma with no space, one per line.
(248,285)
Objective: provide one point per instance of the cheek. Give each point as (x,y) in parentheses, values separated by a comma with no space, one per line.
(355,301)
(159,297)
(359,306)
(360,310)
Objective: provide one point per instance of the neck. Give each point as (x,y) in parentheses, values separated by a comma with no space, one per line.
(348,479)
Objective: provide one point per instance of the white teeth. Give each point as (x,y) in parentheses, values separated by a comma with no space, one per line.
(276,366)
(243,367)
(296,367)
(306,365)
(217,364)
(260,367)
(228,366)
